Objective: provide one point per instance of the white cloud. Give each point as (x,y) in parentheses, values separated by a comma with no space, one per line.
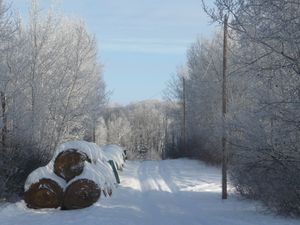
(159,46)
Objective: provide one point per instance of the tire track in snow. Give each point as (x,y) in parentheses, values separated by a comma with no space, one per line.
(130,176)
(166,172)
(150,177)
(184,177)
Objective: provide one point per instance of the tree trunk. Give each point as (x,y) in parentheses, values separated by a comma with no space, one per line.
(4,119)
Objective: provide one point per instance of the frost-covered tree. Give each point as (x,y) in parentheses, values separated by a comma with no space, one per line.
(202,97)
(139,127)
(264,99)
(262,121)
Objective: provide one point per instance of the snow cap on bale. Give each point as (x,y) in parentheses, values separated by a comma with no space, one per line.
(43,189)
(115,153)
(101,173)
(69,158)
(92,150)
(43,172)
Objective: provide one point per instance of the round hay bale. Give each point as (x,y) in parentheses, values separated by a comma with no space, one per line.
(44,194)
(80,194)
(115,153)
(70,163)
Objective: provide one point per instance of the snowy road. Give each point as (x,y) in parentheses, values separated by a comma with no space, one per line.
(168,192)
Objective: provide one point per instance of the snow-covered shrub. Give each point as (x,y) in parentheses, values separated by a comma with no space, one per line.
(16,164)
(271,178)
(266,167)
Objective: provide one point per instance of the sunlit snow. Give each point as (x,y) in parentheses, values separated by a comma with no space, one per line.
(175,192)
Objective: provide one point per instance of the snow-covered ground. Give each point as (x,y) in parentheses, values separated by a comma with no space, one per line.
(166,192)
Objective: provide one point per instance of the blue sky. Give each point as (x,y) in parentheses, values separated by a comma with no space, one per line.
(141,42)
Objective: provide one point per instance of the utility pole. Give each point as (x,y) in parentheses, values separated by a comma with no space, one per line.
(224,111)
(184,114)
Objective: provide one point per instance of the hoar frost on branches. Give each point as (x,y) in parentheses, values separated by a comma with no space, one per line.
(53,89)
(263,120)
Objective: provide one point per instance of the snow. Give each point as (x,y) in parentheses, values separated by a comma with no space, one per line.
(174,192)
(92,150)
(115,153)
(40,173)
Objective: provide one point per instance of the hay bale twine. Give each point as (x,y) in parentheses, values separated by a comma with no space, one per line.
(46,193)
(80,194)
(70,163)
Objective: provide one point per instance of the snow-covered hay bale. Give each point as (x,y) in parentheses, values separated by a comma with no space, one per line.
(43,189)
(80,194)
(44,194)
(115,153)
(80,168)
(101,173)
(69,163)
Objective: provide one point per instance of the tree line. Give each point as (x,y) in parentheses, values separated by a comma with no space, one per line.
(140,127)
